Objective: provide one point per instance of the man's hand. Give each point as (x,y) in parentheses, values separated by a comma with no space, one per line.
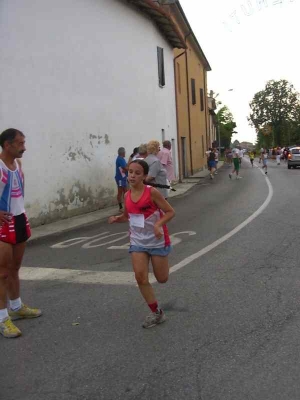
(5,217)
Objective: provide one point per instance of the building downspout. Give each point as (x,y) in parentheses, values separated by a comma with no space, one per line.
(189,105)
(206,114)
(177,116)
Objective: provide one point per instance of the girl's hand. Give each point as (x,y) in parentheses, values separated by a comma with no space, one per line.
(113,219)
(158,231)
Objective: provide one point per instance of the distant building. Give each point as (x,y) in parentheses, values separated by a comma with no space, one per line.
(191,67)
(247,145)
(213,123)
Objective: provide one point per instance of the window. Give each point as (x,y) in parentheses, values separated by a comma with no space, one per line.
(202,99)
(179,78)
(295,151)
(193,82)
(161,66)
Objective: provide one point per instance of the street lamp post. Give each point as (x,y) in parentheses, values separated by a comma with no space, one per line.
(219,136)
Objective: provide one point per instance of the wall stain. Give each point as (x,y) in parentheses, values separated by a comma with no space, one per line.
(80,200)
(106,139)
(78,153)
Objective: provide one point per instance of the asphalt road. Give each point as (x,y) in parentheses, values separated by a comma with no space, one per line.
(233,314)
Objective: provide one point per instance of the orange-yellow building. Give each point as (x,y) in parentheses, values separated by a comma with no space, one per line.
(191,67)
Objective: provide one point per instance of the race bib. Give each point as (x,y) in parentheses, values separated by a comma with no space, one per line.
(137,220)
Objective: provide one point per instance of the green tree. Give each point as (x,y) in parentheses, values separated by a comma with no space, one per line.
(276,108)
(226,125)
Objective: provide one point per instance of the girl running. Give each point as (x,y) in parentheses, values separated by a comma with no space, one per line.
(265,161)
(212,163)
(251,156)
(147,212)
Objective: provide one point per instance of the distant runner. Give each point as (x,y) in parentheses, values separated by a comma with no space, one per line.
(265,161)
(251,156)
(236,163)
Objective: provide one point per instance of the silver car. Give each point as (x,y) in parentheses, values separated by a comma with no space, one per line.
(294,157)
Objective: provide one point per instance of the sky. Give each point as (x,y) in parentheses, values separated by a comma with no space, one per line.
(245,51)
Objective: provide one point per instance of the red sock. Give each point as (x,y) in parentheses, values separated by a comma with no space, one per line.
(154,307)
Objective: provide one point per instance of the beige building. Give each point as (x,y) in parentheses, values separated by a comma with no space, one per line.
(191,67)
(212,121)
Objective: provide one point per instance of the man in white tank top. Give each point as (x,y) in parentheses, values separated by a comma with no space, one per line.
(14,232)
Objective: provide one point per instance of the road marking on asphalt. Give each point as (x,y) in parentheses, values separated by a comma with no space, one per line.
(229,235)
(79,276)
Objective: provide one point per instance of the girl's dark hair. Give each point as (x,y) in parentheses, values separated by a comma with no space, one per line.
(212,156)
(143,164)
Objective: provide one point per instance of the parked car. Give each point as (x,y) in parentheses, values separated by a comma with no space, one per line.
(294,157)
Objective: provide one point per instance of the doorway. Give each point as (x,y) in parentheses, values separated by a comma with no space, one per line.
(183,157)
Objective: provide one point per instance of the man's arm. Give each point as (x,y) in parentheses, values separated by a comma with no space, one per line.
(153,171)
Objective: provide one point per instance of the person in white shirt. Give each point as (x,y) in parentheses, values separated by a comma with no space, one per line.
(241,155)
(261,154)
(165,157)
(265,161)
(216,159)
(236,163)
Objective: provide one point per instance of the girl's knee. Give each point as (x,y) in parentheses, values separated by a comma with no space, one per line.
(163,279)
(4,272)
(141,279)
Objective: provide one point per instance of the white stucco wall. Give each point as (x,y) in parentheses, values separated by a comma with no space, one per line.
(80,79)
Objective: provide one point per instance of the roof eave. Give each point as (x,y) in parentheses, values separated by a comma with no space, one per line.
(164,21)
(207,66)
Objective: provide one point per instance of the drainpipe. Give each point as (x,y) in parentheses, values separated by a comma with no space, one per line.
(177,118)
(206,113)
(189,105)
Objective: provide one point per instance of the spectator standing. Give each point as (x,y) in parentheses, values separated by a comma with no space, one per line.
(157,173)
(134,155)
(121,175)
(142,152)
(165,157)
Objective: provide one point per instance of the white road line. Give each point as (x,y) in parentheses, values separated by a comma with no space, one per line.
(78,276)
(223,239)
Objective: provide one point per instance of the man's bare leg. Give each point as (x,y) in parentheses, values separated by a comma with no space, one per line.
(13,283)
(6,259)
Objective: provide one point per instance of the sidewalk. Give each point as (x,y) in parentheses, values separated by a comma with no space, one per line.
(100,215)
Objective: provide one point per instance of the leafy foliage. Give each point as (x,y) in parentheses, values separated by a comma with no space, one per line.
(226,125)
(275,113)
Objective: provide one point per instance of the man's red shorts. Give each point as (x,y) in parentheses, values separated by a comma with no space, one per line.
(16,231)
